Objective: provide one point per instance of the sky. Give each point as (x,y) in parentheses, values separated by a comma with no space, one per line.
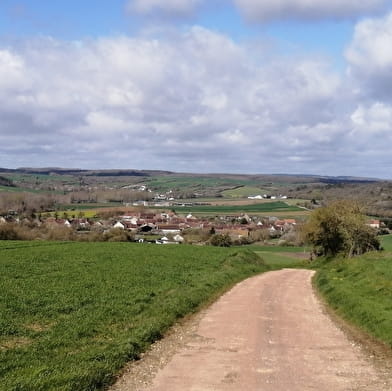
(209,86)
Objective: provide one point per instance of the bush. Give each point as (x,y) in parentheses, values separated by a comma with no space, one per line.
(340,228)
(9,232)
(219,240)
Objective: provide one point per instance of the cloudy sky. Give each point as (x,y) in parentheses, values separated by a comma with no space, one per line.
(242,86)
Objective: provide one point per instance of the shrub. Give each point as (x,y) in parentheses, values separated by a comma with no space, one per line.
(340,228)
(221,240)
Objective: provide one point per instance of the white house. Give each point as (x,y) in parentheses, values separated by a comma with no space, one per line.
(178,238)
(374,223)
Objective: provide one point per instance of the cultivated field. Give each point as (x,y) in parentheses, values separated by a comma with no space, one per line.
(73,313)
(262,207)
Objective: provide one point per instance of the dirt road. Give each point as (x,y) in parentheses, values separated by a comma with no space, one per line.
(268,333)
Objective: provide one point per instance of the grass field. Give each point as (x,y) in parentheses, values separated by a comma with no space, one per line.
(244,191)
(386,242)
(263,207)
(72,314)
(360,290)
(164,183)
(10,189)
(277,257)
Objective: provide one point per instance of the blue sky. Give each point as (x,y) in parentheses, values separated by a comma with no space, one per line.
(192,85)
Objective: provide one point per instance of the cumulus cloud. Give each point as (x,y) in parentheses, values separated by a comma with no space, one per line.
(194,102)
(370,57)
(267,10)
(374,119)
(167,7)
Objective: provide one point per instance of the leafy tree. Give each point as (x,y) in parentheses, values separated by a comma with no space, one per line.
(340,228)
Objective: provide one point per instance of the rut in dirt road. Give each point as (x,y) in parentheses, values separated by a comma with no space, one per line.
(268,333)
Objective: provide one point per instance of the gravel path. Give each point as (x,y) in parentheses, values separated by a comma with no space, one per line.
(268,333)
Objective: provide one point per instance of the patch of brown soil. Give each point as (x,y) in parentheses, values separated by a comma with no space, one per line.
(14,343)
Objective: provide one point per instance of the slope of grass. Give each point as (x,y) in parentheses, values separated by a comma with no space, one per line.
(164,183)
(360,290)
(386,242)
(243,191)
(278,257)
(72,314)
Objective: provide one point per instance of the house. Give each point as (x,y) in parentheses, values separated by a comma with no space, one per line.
(178,238)
(374,223)
(119,225)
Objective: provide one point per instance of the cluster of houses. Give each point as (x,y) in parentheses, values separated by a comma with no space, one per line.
(169,226)
(169,223)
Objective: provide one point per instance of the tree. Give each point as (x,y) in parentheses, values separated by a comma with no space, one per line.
(340,228)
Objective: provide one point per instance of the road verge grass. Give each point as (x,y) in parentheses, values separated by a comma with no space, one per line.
(360,291)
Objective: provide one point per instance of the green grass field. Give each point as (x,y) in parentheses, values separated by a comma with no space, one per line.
(270,207)
(360,290)
(277,257)
(386,242)
(244,191)
(164,183)
(72,314)
(10,189)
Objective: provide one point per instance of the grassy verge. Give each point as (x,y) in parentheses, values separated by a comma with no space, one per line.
(72,314)
(360,290)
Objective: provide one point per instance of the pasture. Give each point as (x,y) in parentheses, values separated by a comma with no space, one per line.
(72,314)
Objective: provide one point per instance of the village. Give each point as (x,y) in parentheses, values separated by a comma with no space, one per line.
(163,227)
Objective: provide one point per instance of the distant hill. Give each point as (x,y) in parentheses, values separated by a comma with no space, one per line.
(287,178)
(82,172)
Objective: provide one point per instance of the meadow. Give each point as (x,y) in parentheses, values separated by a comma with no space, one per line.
(277,257)
(360,290)
(244,191)
(72,314)
(262,207)
(386,242)
(164,183)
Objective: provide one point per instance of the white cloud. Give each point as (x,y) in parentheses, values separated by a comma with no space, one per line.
(267,10)
(12,70)
(375,119)
(370,57)
(196,101)
(167,7)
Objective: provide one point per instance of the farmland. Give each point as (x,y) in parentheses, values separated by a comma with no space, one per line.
(72,314)
(263,207)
